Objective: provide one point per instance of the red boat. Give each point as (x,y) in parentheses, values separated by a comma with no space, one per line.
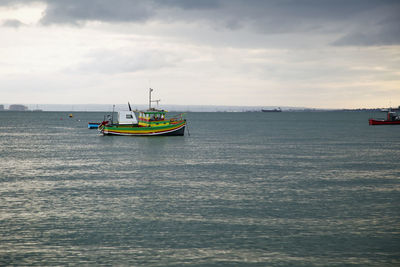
(382,122)
(392,118)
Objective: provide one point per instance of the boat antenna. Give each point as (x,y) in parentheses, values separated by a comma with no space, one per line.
(157,101)
(112,116)
(150,90)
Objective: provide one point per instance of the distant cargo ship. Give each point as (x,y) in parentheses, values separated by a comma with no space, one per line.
(272,110)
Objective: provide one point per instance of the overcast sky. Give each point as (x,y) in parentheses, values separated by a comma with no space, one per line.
(308,53)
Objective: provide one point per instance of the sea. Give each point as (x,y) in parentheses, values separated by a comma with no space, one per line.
(239,189)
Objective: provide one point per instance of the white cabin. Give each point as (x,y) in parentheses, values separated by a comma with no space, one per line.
(127,117)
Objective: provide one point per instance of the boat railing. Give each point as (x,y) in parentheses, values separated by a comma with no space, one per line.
(178,117)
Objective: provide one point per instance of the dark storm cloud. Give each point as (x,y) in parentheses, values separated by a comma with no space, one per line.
(358,22)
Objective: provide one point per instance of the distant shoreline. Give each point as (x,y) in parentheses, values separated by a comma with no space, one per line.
(173,108)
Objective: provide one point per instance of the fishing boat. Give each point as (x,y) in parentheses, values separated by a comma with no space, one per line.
(152,122)
(392,118)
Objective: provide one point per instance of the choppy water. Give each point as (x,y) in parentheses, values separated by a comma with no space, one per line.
(250,189)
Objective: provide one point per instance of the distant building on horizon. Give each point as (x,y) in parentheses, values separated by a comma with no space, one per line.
(17,107)
(1,107)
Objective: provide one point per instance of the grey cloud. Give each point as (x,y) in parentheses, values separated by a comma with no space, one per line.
(13,23)
(191,4)
(370,39)
(372,33)
(78,12)
(17,2)
(264,17)
(130,10)
(115,61)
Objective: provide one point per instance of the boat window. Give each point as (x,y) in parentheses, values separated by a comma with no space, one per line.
(129,116)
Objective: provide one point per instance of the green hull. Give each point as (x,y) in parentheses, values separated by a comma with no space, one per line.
(177,128)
